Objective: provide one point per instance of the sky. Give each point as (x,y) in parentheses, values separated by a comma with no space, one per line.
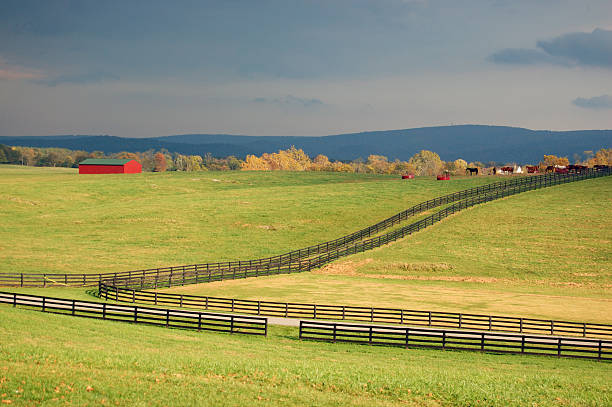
(301,68)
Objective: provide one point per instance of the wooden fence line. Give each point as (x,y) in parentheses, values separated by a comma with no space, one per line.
(287,262)
(456,340)
(360,313)
(192,276)
(195,320)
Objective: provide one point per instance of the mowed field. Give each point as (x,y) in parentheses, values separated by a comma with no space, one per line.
(543,253)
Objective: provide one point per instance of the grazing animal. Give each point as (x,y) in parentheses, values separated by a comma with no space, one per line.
(471,170)
(576,168)
(532,169)
(559,170)
(507,170)
(550,168)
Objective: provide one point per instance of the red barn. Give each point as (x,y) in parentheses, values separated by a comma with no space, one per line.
(108,166)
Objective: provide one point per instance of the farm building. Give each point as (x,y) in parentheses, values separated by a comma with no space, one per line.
(109,166)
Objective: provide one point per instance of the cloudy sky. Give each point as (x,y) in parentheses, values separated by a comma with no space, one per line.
(307,68)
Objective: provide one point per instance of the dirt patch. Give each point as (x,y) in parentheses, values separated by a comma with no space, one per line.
(346,268)
(264,227)
(421,266)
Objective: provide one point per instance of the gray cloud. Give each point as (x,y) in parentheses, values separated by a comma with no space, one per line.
(520,56)
(596,102)
(586,49)
(290,100)
(78,79)
(583,48)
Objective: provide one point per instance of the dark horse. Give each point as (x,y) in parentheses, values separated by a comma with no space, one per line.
(471,170)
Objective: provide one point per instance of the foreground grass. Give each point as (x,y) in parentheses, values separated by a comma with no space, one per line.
(56,360)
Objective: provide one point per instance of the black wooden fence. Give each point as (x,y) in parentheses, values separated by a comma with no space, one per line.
(302,260)
(456,339)
(157,278)
(357,313)
(185,319)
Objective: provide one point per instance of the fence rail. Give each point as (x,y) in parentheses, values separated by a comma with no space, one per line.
(201,321)
(192,275)
(302,260)
(456,339)
(357,313)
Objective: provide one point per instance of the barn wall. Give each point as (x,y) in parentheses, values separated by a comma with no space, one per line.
(100,169)
(132,167)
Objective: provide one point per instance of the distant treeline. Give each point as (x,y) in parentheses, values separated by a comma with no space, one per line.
(422,163)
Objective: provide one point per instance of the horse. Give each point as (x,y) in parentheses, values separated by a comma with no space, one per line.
(550,168)
(532,169)
(471,170)
(507,170)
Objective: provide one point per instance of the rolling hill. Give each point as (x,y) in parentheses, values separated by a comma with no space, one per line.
(470,142)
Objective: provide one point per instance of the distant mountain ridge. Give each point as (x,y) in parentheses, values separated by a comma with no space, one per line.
(470,142)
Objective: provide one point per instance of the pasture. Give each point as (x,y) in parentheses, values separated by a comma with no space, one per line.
(543,253)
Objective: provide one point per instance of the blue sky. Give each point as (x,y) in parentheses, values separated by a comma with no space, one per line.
(312,68)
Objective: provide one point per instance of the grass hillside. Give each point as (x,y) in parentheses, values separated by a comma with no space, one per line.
(55,220)
(543,253)
(58,360)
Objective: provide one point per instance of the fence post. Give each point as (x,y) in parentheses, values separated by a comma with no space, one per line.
(559,347)
(482,341)
(490,323)
(523,344)
(314,313)
(334,340)
(429,312)
(181,301)
(231,324)
(521,325)
(552,327)
(407,336)
(584,329)
(599,350)
(73,306)
(343,311)
(459,321)
(135,314)
(443,339)
(43,304)
(167,318)
(14,299)
(370,337)
(372,314)
(199,321)
(104,310)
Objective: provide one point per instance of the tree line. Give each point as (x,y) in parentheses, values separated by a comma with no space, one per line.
(293,159)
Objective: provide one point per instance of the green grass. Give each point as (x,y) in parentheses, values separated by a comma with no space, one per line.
(57,221)
(543,254)
(52,360)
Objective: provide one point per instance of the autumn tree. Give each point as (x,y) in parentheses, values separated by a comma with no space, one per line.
(426,163)
(160,163)
(554,160)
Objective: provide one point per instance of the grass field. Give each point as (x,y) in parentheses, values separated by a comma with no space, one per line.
(54,360)
(59,221)
(541,254)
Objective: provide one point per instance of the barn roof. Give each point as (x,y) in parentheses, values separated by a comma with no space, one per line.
(103,161)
